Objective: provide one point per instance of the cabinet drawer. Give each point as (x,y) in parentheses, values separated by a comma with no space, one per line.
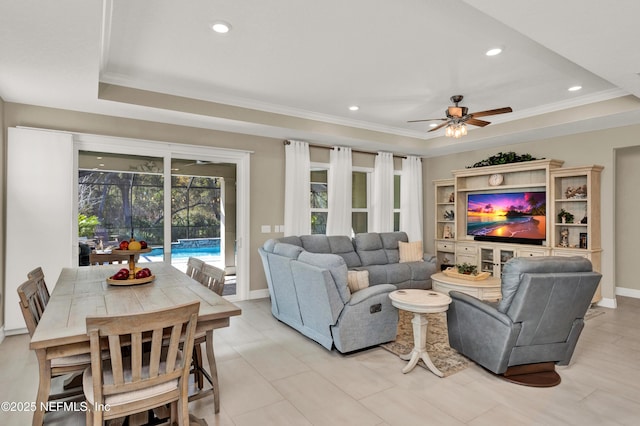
(531,253)
(445,246)
(466,249)
(466,258)
(566,253)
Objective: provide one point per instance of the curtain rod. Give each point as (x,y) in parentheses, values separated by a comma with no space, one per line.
(352,150)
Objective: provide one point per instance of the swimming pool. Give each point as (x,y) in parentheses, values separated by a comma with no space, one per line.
(156,254)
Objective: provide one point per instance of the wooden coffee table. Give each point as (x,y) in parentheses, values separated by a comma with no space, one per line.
(420,302)
(487,289)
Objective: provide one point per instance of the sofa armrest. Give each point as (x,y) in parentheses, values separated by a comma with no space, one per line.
(368,292)
(428,257)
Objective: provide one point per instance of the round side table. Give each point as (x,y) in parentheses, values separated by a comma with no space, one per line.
(420,303)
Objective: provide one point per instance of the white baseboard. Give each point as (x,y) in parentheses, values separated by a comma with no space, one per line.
(628,292)
(259,294)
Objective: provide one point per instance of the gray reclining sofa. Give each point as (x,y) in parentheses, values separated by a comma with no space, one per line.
(309,290)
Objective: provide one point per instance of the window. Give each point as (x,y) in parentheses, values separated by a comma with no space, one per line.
(319,201)
(360,186)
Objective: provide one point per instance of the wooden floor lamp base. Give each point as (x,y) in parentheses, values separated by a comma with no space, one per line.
(542,375)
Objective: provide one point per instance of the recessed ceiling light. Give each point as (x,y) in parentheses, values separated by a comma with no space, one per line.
(221,27)
(493,52)
(99,158)
(433,124)
(354,108)
(574,88)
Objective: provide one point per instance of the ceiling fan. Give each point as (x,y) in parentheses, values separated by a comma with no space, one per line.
(457,116)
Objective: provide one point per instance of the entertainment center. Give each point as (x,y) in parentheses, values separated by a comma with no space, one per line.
(484,216)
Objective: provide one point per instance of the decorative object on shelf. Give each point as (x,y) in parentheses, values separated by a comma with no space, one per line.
(583,220)
(583,240)
(452,197)
(504,158)
(467,269)
(496,179)
(449,215)
(446,234)
(564,237)
(576,192)
(565,216)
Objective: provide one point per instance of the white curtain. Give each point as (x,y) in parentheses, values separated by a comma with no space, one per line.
(382,194)
(297,189)
(411,198)
(339,188)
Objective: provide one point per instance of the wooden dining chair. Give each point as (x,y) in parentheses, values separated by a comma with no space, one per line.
(148,365)
(37,274)
(194,268)
(33,305)
(213,277)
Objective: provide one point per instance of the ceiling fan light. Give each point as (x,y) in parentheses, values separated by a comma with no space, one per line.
(463,129)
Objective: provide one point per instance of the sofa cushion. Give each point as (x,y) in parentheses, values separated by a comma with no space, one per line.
(369,248)
(336,266)
(292,239)
(390,242)
(343,247)
(515,267)
(410,252)
(357,280)
(316,243)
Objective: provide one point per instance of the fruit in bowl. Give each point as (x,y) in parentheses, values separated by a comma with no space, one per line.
(124,245)
(143,244)
(122,274)
(135,245)
(143,273)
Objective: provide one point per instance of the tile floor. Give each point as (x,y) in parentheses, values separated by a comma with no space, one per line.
(272,375)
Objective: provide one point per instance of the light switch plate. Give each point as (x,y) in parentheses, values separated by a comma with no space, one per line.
(266,229)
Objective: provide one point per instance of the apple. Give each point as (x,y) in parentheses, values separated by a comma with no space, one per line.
(143,273)
(124,245)
(143,244)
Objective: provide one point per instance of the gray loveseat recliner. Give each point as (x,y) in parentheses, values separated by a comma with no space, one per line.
(376,252)
(536,324)
(309,292)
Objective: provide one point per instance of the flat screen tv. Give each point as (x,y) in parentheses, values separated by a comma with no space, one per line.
(514,217)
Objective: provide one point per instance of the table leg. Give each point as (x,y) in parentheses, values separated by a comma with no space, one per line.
(44,386)
(214,371)
(419,351)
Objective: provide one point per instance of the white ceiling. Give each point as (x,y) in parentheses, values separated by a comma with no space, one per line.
(290,68)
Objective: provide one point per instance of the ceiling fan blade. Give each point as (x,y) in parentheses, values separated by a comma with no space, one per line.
(492,112)
(427,119)
(439,126)
(479,123)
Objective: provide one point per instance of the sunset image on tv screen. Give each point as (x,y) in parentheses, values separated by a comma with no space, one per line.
(507,215)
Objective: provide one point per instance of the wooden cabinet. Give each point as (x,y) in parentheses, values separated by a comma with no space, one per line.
(575,214)
(575,191)
(445,223)
(492,259)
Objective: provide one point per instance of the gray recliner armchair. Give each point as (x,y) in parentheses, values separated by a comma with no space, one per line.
(535,326)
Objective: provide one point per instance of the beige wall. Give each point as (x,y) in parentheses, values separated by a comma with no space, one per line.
(596,147)
(267,162)
(3,150)
(627,232)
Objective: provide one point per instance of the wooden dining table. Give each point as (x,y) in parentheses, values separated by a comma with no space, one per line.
(83,291)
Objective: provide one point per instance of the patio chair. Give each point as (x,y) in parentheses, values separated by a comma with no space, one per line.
(134,380)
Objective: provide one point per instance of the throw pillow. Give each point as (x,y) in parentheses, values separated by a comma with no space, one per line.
(357,280)
(410,252)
